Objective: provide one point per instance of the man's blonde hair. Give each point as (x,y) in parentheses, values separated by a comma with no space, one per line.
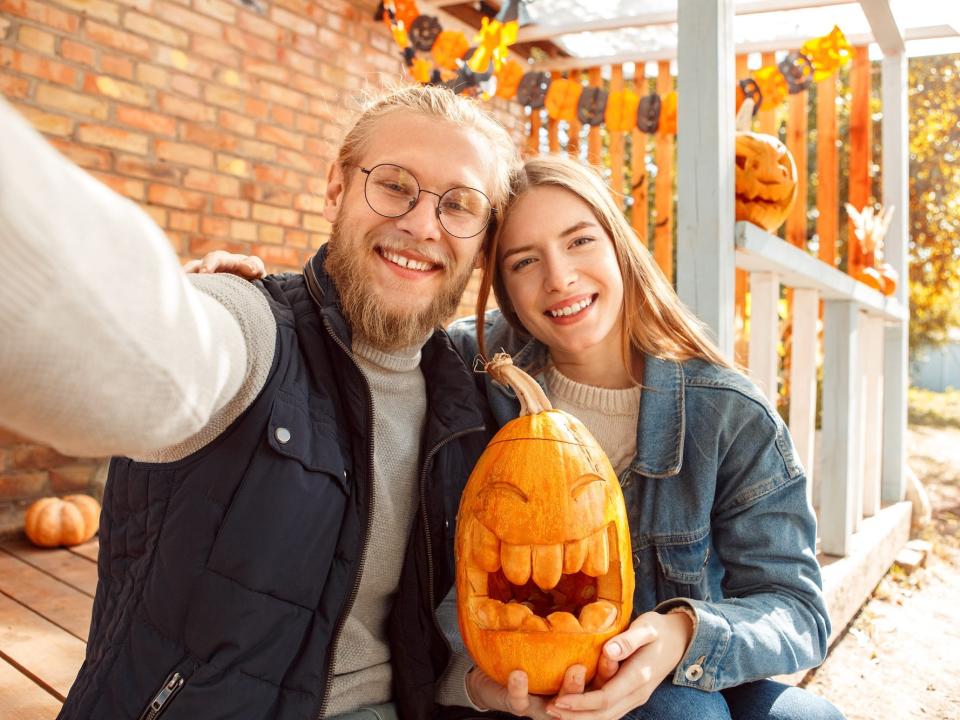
(655,321)
(442,104)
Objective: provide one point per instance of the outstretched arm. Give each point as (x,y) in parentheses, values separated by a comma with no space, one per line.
(105,346)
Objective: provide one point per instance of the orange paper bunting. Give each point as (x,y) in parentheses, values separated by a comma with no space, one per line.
(621,113)
(508,78)
(773,86)
(562,98)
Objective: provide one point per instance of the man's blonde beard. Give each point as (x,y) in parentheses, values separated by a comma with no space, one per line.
(385,328)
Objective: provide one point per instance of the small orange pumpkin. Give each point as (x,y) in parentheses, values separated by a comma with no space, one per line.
(562,98)
(544,568)
(53,521)
(766,176)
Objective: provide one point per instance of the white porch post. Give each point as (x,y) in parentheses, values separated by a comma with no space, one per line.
(803,378)
(896,194)
(764,332)
(705,180)
(839,484)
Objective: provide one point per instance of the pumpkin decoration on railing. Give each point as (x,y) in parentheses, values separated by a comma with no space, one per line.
(766,176)
(544,565)
(870,228)
(53,521)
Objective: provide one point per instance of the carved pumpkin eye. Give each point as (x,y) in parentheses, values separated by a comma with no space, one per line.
(544,566)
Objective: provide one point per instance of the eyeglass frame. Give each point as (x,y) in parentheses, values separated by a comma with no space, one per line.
(437,211)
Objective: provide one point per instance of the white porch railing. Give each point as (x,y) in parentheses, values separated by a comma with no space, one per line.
(854,320)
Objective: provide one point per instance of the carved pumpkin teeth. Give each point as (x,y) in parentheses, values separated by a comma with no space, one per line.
(609,586)
(534,624)
(598,616)
(547,565)
(515,560)
(564,622)
(488,613)
(597,562)
(574,553)
(486,548)
(512,615)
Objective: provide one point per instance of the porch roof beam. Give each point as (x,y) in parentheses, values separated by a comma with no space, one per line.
(886,32)
(533,33)
(579,63)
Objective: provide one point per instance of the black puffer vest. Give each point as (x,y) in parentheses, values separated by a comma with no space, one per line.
(225,577)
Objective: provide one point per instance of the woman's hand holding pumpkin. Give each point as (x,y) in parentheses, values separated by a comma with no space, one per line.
(646,653)
(514,698)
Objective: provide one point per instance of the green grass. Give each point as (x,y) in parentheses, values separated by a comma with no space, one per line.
(934,409)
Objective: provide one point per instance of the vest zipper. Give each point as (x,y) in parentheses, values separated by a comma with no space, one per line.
(428,459)
(171,686)
(366,532)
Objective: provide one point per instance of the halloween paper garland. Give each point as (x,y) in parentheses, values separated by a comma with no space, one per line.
(483,69)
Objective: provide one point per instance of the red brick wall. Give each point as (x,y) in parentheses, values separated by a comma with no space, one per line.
(220,121)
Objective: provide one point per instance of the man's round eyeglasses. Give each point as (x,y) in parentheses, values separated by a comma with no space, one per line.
(393,191)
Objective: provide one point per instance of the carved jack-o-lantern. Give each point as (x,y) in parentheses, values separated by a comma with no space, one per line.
(544,568)
(766,176)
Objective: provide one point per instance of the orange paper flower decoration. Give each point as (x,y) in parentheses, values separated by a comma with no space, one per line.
(827,54)
(508,78)
(450,46)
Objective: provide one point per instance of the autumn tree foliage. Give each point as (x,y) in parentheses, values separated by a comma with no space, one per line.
(934,199)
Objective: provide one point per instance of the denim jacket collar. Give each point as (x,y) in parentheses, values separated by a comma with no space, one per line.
(660,430)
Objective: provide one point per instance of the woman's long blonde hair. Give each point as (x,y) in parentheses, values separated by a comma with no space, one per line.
(655,321)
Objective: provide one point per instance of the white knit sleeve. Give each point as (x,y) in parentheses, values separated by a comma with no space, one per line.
(105,347)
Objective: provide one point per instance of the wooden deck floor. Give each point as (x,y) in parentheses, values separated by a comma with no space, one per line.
(46,598)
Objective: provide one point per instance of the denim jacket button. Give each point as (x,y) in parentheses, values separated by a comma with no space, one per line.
(693,672)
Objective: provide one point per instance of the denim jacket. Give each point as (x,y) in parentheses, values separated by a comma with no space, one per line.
(719,518)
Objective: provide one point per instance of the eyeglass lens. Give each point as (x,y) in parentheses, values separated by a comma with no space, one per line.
(393,191)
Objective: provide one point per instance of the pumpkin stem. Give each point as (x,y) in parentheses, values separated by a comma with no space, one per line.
(531,395)
(745,116)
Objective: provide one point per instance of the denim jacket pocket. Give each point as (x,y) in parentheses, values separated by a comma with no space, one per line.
(681,568)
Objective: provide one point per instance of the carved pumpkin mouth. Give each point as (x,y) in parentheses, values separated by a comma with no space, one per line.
(573,586)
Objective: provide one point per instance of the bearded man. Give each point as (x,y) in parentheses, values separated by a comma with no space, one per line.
(278,520)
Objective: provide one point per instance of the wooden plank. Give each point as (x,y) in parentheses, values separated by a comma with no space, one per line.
(803,379)
(765,332)
(574,127)
(553,126)
(741,281)
(640,217)
(57,602)
(594,139)
(663,193)
(22,699)
(859,138)
(616,142)
(828,166)
(797,144)
(89,550)
(841,405)
(67,567)
(533,139)
(48,654)
(767,117)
